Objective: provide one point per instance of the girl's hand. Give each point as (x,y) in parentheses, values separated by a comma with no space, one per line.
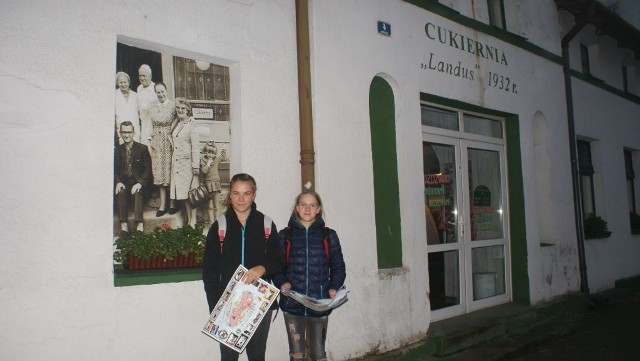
(253,274)
(285,287)
(332,293)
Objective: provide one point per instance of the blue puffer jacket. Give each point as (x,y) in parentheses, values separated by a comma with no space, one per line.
(308,270)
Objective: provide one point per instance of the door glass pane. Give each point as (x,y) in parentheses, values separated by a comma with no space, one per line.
(485,194)
(482,126)
(440,118)
(440,192)
(444,279)
(488,271)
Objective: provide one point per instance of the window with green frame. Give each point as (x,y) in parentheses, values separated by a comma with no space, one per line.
(634,217)
(496,13)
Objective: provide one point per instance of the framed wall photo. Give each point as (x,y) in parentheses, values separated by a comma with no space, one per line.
(171,133)
(239,311)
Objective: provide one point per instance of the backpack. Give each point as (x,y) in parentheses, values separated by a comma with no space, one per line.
(325,241)
(222,228)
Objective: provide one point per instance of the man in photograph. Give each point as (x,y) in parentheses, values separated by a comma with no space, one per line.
(132,173)
(146,96)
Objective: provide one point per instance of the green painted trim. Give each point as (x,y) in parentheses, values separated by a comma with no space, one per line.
(385,174)
(504,16)
(516,41)
(431,98)
(517,223)
(123,277)
(604,86)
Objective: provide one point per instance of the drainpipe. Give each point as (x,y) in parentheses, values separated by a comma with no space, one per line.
(577,197)
(307,155)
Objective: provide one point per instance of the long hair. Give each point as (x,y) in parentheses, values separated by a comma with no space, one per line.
(240,177)
(315,195)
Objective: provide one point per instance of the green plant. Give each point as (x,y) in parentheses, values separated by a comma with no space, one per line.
(635,222)
(595,227)
(162,241)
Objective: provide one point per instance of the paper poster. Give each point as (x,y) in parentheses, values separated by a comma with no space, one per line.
(239,311)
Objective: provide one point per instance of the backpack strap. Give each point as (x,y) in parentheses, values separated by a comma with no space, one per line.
(222,228)
(267,227)
(325,239)
(287,244)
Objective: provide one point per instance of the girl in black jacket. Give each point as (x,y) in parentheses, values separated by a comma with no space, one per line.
(315,267)
(244,243)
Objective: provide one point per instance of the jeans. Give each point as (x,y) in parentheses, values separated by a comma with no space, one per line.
(316,333)
(257,346)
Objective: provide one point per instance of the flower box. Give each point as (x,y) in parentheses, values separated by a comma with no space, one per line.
(162,248)
(134,263)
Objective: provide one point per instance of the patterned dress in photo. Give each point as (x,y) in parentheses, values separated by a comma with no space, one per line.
(185,158)
(162,116)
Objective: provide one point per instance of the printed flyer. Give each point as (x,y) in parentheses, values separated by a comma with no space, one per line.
(239,311)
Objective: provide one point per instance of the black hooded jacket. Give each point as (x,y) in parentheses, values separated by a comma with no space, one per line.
(218,267)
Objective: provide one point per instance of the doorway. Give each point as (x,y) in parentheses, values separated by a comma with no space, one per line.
(466,211)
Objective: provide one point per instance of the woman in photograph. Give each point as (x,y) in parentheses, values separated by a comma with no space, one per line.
(162,113)
(316,268)
(126,106)
(185,162)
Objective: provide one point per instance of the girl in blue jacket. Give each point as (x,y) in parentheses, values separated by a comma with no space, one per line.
(315,267)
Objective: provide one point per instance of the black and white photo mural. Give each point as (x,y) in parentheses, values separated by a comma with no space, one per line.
(171,135)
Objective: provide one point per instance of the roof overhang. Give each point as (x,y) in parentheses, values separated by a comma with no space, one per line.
(605,21)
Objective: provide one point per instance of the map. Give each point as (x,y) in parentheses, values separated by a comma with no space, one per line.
(239,311)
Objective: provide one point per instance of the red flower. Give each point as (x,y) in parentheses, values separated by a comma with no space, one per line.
(165,226)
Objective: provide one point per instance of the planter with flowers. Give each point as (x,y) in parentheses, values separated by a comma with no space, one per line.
(163,248)
(595,227)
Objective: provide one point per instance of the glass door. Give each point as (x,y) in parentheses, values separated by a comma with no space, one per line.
(465,222)
(442,202)
(485,242)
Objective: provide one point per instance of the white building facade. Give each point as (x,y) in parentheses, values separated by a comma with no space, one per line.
(443,136)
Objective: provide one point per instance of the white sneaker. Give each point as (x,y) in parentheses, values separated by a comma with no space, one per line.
(140,227)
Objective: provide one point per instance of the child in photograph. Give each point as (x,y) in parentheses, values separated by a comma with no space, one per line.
(211,177)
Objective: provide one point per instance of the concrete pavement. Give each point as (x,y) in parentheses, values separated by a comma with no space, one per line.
(602,326)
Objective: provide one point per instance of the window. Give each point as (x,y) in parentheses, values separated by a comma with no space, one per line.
(631,190)
(584,57)
(439,118)
(496,13)
(459,121)
(585,168)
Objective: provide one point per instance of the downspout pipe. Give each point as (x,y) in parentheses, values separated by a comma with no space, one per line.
(577,197)
(307,154)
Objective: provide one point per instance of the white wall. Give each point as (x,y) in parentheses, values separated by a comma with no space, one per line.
(612,126)
(56,101)
(57,71)
(347,53)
